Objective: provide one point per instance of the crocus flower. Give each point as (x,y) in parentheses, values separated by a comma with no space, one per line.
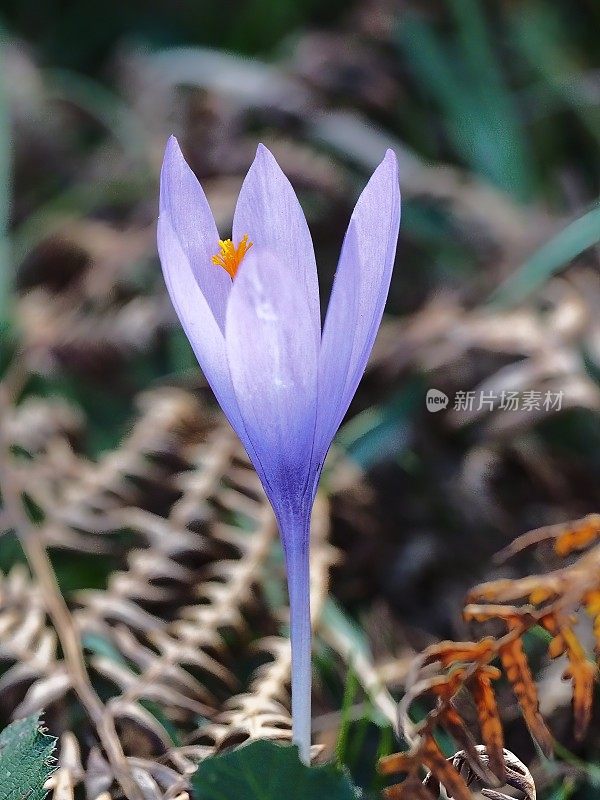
(250,308)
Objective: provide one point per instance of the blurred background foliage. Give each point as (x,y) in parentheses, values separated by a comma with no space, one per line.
(494,111)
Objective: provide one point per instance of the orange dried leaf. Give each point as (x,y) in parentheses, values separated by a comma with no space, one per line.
(578,535)
(453,723)
(428,754)
(513,616)
(436,762)
(592,606)
(519,675)
(447,667)
(537,589)
(583,675)
(489,718)
(541,594)
(556,647)
(580,671)
(449,653)
(411,789)
(399,762)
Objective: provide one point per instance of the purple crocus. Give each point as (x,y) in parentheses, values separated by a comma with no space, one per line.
(250,308)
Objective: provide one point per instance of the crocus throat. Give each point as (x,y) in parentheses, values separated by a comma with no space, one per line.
(229,256)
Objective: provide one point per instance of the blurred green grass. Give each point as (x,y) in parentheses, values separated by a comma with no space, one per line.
(82,36)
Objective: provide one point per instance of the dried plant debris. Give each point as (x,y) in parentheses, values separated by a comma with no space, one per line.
(444,491)
(537,348)
(36,675)
(457,775)
(516,775)
(81,303)
(447,671)
(185,605)
(162,637)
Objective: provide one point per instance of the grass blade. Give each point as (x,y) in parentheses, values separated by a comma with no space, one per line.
(570,242)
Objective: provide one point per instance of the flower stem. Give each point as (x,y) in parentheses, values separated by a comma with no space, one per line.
(297,561)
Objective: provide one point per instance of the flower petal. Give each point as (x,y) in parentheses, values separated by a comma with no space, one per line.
(205,336)
(357,299)
(184,204)
(272,357)
(269,212)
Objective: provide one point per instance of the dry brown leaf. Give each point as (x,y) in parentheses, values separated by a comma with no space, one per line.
(445,669)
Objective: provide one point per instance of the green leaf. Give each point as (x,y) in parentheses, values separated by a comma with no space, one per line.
(103,105)
(539,31)
(382,431)
(350,692)
(263,770)
(463,76)
(25,760)
(568,243)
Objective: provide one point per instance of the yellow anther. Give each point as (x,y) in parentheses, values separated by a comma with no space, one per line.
(230,257)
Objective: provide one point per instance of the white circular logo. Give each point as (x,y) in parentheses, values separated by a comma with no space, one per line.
(435,400)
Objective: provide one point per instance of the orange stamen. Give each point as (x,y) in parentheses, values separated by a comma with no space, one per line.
(230,257)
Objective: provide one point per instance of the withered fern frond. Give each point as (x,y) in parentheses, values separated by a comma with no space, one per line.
(446,670)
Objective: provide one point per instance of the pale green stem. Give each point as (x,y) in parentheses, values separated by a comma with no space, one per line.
(296,539)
